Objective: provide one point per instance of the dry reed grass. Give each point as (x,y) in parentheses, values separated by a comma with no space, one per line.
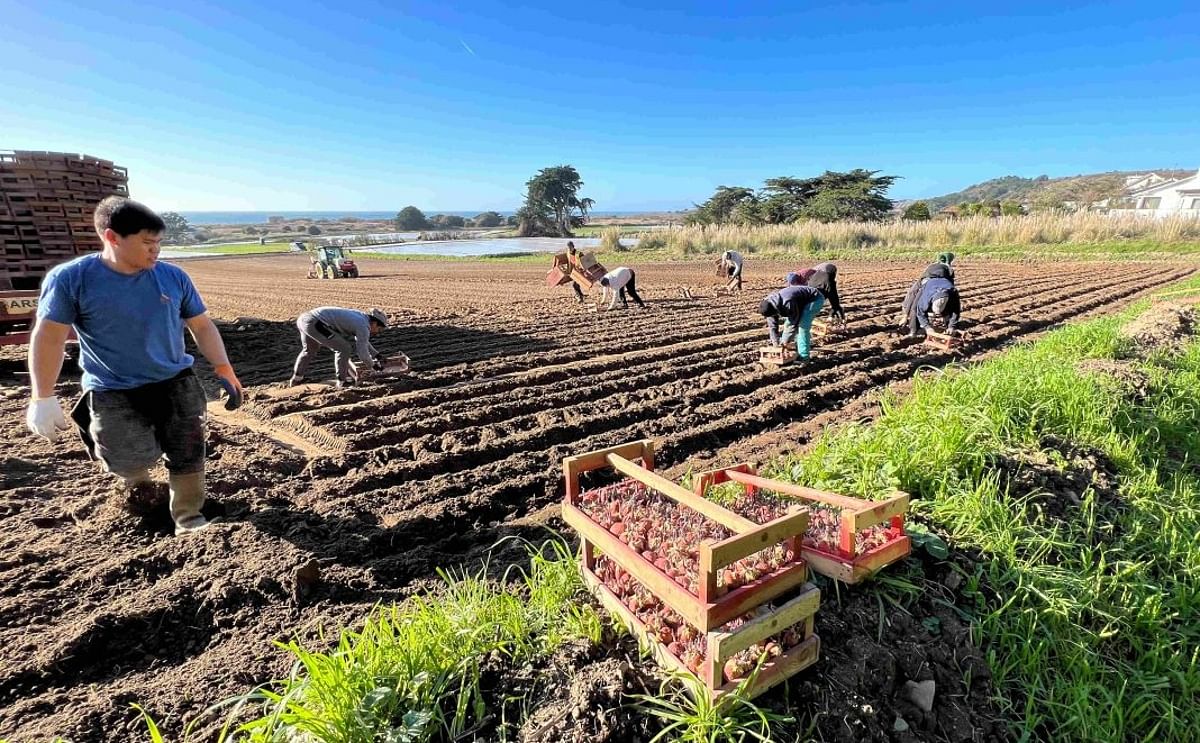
(1074,233)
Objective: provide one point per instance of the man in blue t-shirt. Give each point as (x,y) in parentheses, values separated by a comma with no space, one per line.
(141,401)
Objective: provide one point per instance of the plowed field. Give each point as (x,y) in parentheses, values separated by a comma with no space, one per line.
(383,483)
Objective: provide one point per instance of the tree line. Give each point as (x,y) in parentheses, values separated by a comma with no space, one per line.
(552,208)
(410,218)
(859,195)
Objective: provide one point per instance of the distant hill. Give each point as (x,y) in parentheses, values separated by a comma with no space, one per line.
(1083,188)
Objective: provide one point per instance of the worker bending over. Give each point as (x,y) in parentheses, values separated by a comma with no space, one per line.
(576,261)
(823,277)
(141,400)
(938,305)
(619,281)
(345,332)
(943,269)
(730,265)
(796,305)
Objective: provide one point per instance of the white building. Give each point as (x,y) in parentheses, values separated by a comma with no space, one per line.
(1135,183)
(1169,198)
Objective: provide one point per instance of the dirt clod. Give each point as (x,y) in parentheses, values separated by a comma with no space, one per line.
(1160,328)
(921,693)
(142,499)
(1131,381)
(305,578)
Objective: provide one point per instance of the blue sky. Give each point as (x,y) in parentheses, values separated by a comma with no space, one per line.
(376,105)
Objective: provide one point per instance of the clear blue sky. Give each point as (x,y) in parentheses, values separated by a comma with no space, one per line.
(454,105)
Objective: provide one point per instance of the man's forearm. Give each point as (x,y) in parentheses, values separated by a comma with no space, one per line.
(46,358)
(208,340)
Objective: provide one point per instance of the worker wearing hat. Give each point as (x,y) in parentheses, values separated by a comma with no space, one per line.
(345,332)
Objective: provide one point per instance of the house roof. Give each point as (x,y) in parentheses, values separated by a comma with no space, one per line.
(1179,183)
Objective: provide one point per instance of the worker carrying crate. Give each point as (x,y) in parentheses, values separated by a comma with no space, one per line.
(578,269)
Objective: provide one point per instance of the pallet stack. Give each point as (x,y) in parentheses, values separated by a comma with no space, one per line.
(46,204)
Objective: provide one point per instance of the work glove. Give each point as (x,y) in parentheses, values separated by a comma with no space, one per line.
(45,418)
(229,382)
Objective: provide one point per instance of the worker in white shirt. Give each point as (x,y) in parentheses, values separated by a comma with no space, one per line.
(730,264)
(619,281)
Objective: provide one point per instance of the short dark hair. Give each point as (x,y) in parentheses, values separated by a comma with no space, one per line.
(126,217)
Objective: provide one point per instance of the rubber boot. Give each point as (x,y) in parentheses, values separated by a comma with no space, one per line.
(139,493)
(187,498)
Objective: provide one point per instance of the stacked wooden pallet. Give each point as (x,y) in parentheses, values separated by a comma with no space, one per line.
(46,204)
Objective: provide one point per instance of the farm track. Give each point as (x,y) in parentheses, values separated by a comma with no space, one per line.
(98,609)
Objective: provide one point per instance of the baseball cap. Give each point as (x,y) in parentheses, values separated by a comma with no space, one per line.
(378,316)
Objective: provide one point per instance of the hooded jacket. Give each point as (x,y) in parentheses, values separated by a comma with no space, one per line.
(935,289)
(943,269)
(824,278)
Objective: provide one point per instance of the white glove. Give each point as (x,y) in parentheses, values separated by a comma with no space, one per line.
(45,418)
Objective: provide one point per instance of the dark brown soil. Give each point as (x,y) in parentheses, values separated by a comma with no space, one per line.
(379,485)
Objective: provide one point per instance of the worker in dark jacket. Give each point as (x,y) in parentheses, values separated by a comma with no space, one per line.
(823,276)
(939,304)
(796,305)
(943,269)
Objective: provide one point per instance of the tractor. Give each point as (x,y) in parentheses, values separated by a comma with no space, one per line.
(330,262)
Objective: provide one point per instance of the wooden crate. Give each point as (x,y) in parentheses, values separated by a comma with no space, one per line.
(777,355)
(823,329)
(708,609)
(943,341)
(845,563)
(721,646)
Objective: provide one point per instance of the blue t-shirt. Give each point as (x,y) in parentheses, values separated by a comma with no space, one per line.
(130,326)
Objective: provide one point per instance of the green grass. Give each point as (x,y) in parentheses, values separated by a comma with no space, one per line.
(1092,634)
(690,715)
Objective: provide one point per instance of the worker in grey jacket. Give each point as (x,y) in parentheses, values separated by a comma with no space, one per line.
(345,331)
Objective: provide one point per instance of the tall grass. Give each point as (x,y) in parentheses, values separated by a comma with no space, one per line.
(1067,234)
(610,240)
(1093,632)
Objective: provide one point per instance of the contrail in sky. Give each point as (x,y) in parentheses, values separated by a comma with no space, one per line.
(469,49)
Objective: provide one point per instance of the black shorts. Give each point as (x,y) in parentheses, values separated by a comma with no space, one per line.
(131,430)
